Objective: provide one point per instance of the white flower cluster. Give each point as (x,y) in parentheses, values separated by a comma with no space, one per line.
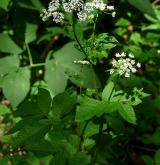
(83,62)
(124,64)
(83,10)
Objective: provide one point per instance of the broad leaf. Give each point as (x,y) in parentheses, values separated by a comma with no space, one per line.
(108,90)
(79,74)
(32,132)
(63,103)
(79,159)
(30,32)
(4,4)
(90,108)
(8,45)
(41,147)
(127,112)
(8,64)
(25,122)
(144,6)
(55,77)
(16,85)
(44,100)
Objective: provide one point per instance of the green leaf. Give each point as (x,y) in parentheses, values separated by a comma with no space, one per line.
(24,122)
(87,109)
(148,160)
(4,110)
(4,4)
(30,32)
(55,77)
(157,157)
(28,107)
(8,45)
(79,159)
(90,108)
(127,112)
(107,92)
(8,64)
(16,85)
(4,160)
(44,100)
(79,74)
(59,159)
(144,6)
(32,132)
(41,147)
(63,103)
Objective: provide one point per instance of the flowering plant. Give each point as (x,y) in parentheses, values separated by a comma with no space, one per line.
(74,78)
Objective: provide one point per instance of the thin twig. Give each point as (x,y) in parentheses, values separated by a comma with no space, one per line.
(155,2)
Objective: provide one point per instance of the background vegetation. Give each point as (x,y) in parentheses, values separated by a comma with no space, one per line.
(56,112)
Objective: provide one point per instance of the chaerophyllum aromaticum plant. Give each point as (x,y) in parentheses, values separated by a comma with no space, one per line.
(72,117)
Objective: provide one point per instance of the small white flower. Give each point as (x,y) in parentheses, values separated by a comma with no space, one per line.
(67,7)
(89,7)
(117,55)
(127,74)
(123,55)
(111,71)
(110,7)
(133,62)
(58,17)
(138,65)
(124,65)
(82,16)
(131,55)
(113,14)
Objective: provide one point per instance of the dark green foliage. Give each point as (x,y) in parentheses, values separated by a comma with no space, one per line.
(59,103)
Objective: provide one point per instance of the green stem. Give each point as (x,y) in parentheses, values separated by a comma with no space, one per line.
(29,54)
(94,25)
(76,38)
(31,60)
(82,134)
(37,65)
(93,161)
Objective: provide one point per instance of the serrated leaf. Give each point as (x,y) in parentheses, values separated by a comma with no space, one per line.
(32,132)
(144,6)
(55,77)
(16,85)
(90,108)
(8,64)
(87,109)
(44,100)
(127,112)
(107,92)
(8,45)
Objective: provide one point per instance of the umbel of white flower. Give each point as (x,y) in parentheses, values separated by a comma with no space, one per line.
(84,10)
(124,64)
